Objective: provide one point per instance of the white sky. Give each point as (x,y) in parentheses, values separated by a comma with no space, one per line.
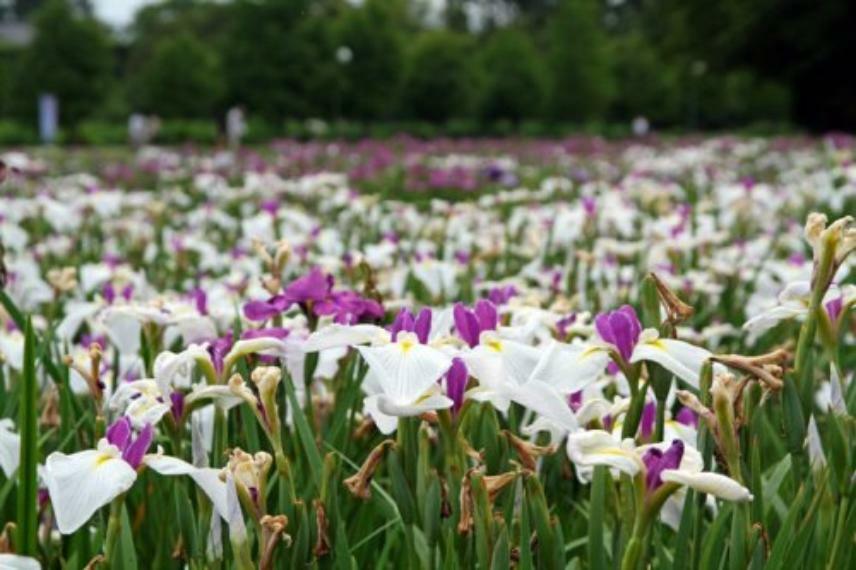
(118,13)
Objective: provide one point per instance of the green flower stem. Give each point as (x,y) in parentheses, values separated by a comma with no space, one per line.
(408,446)
(451,446)
(243,559)
(820,284)
(283,468)
(660,425)
(840,531)
(637,403)
(220,435)
(114,525)
(728,437)
(648,507)
(100,426)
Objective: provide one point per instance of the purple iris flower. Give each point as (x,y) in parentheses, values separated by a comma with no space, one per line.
(314,292)
(314,286)
(797,259)
(589,205)
(657,461)
(200,299)
(177,405)
(128,291)
(264,310)
(270,206)
(111,260)
(456,383)
(564,323)
(687,417)
(486,315)
(349,307)
(109,293)
(575,400)
(218,350)
(87,339)
(620,328)
(133,448)
(470,324)
(269,332)
(405,322)
(834,308)
(494,172)
(501,295)
(43,497)
(646,423)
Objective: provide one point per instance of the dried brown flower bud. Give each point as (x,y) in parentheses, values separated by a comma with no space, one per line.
(322,542)
(273,528)
(465,523)
(676,310)
(768,368)
(496,483)
(359,483)
(528,452)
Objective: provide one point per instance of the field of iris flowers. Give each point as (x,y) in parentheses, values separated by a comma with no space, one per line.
(430,354)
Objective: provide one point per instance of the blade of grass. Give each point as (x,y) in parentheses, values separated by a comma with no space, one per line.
(304,432)
(27,418)
(597,552)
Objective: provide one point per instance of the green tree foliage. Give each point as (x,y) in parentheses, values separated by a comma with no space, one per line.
(71,57)
(583,84)
(279,59)
(372,35)
(439,81)
(648,85)
(181,80)
(739,98)
(478,61)
(515,85)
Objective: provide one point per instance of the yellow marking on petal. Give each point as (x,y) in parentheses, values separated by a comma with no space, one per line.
(428,393)
(494,344)
(589,351)
(613,451)
(101,459)
(658,344)
(406,345)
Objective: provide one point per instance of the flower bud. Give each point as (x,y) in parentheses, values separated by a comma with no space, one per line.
(726,390)
(267,380)
(280,258)
(831,246)
(250,475)
(63,280)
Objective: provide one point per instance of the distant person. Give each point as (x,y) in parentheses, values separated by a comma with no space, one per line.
(142,129)
(641,127)
(236,126)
